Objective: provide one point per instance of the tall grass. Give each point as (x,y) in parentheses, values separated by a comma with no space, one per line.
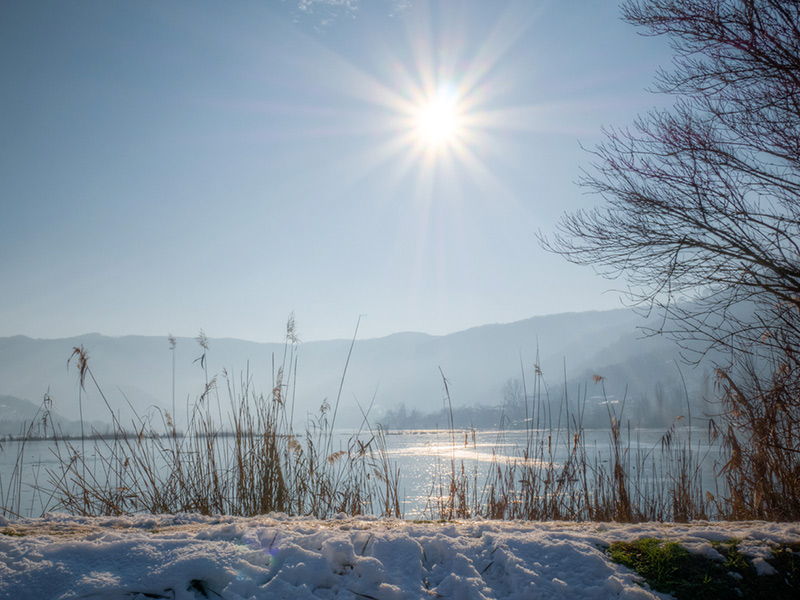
(240,454)
(11,493)
(453,493)
(759,424)
(557,475)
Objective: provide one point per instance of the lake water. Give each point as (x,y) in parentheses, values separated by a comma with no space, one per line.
(423,458)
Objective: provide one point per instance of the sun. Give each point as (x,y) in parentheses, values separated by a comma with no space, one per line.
(438,120)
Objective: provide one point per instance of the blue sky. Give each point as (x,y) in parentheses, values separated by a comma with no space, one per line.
(172,166)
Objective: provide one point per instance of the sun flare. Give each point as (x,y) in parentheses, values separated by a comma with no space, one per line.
(438,120)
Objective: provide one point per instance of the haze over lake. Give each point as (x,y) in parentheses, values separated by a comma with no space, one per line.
(483,366)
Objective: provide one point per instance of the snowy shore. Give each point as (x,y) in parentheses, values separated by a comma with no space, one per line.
(274,556)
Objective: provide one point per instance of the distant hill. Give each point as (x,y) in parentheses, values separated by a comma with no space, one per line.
(16,409)
(135,372)
(17,415)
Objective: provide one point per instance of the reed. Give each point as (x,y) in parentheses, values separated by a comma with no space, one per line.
(557,476)
(239,454)
(243,458)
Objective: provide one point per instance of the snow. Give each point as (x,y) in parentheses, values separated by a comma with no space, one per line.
(180,557)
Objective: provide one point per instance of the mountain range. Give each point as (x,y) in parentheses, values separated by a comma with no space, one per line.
(135,373)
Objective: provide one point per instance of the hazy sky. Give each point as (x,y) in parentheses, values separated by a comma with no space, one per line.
(172,166)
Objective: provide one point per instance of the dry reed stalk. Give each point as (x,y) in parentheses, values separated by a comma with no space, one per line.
(254,462)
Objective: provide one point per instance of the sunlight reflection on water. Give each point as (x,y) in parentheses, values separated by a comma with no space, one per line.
(425,458)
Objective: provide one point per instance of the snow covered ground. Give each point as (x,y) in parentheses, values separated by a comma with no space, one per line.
(190,556)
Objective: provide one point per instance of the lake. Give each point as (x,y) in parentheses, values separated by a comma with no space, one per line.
(424,459)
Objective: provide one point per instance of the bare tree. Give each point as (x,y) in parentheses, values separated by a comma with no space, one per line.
(703,199)
(702,205)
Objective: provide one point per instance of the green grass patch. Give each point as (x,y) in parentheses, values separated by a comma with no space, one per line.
(668,567)
(430,521)
(12,533)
